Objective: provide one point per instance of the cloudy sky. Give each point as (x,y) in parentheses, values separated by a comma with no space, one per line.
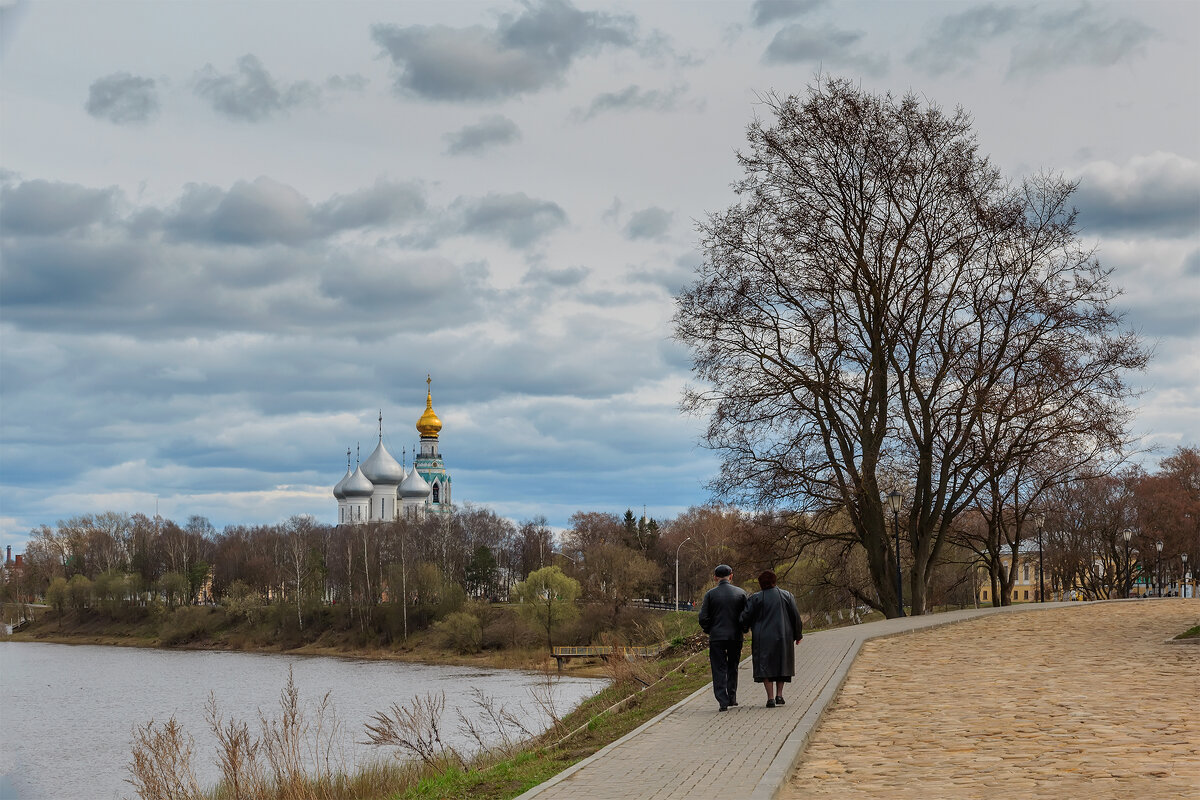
(235,232)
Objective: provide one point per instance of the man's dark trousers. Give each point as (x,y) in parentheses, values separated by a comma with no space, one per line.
(720,618)
(723,657)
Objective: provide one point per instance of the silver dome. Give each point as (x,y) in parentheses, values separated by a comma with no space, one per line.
(337,490)
(357,485)
(414,486)
(381,469)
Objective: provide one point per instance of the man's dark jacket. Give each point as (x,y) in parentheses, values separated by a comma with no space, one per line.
(721,611)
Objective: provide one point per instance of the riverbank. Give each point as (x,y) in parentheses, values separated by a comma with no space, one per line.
(422,765)
(419,650)
(506,644)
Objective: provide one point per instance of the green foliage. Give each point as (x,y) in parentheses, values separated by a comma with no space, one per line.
(480,573)
(56,595)
(461,632)
(547,599)
(174,588)
(79,592)
(111,589)
(430,596)
(242,602)
(196,574)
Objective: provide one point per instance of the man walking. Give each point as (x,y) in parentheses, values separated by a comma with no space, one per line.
(720,618)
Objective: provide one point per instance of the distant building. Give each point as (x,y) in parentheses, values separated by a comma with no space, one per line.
(381,489)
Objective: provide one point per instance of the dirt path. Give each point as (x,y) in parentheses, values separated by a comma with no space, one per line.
(1082,702)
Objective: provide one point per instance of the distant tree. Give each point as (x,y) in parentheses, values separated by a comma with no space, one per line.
(174,588)
(536,543)
(57,595)
(615,574)
(589,528)
(79,592)
(480,575)
(547,599)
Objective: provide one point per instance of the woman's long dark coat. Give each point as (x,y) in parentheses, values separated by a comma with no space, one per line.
(772,616)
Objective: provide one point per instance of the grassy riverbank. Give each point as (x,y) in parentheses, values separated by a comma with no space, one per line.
(509,644)
(272,760)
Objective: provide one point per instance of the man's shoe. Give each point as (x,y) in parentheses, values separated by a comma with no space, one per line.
(770,704)
(778,700)
(733,702)
(723,708)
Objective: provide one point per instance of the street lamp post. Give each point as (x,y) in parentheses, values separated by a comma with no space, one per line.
(1158,566)
(1040,521)
(894,500)
(681,544)
(1182,587)
(1127,534)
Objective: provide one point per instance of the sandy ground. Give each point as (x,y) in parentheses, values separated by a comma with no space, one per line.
(1082,702)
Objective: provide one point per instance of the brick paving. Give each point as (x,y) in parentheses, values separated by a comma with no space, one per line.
(1079,702)
(691,751)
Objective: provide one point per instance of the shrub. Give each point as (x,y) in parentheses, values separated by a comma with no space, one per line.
(189,623)
(461,632)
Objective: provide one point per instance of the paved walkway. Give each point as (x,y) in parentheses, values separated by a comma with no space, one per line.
(690,750)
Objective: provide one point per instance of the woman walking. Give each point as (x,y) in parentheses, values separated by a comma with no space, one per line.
(771,615)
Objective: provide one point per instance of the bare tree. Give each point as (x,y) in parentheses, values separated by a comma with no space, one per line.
(879,309)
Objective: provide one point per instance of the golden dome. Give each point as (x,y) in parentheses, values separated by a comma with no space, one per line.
(429,424)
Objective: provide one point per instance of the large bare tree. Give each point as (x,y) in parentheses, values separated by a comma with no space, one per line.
(880,309)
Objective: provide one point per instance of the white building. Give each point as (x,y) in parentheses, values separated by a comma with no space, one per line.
(380,489)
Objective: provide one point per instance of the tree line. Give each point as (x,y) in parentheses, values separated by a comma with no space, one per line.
(390,579)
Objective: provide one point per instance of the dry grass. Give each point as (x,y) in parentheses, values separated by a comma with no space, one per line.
(295,755)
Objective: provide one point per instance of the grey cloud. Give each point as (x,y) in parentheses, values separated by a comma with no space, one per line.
(561,278)
(430,291)
(488,132)
(832,46)
(250,94)
(155,289)
(649,223)
(522,54)
(955,42)
(1083,36)
(671,277)
(383,204)
(630,98)
(516,218)
(266,211)
(1191,264)
(1040,42)
(346,83)
(45,277)
(768,11)
(122,98)
(1154,195)
(39,208)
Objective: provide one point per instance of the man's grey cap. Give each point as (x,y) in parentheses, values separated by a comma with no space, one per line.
(723,571)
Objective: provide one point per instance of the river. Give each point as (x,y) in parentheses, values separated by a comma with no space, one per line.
(67,712)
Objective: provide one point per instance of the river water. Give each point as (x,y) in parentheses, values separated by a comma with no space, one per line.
(67,712)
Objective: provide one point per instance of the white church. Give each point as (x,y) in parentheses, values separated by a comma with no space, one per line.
(380,489)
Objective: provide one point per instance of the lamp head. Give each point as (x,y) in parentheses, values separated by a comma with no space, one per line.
(894,501)
(1039,519)
(1127,533)
(1158,545)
